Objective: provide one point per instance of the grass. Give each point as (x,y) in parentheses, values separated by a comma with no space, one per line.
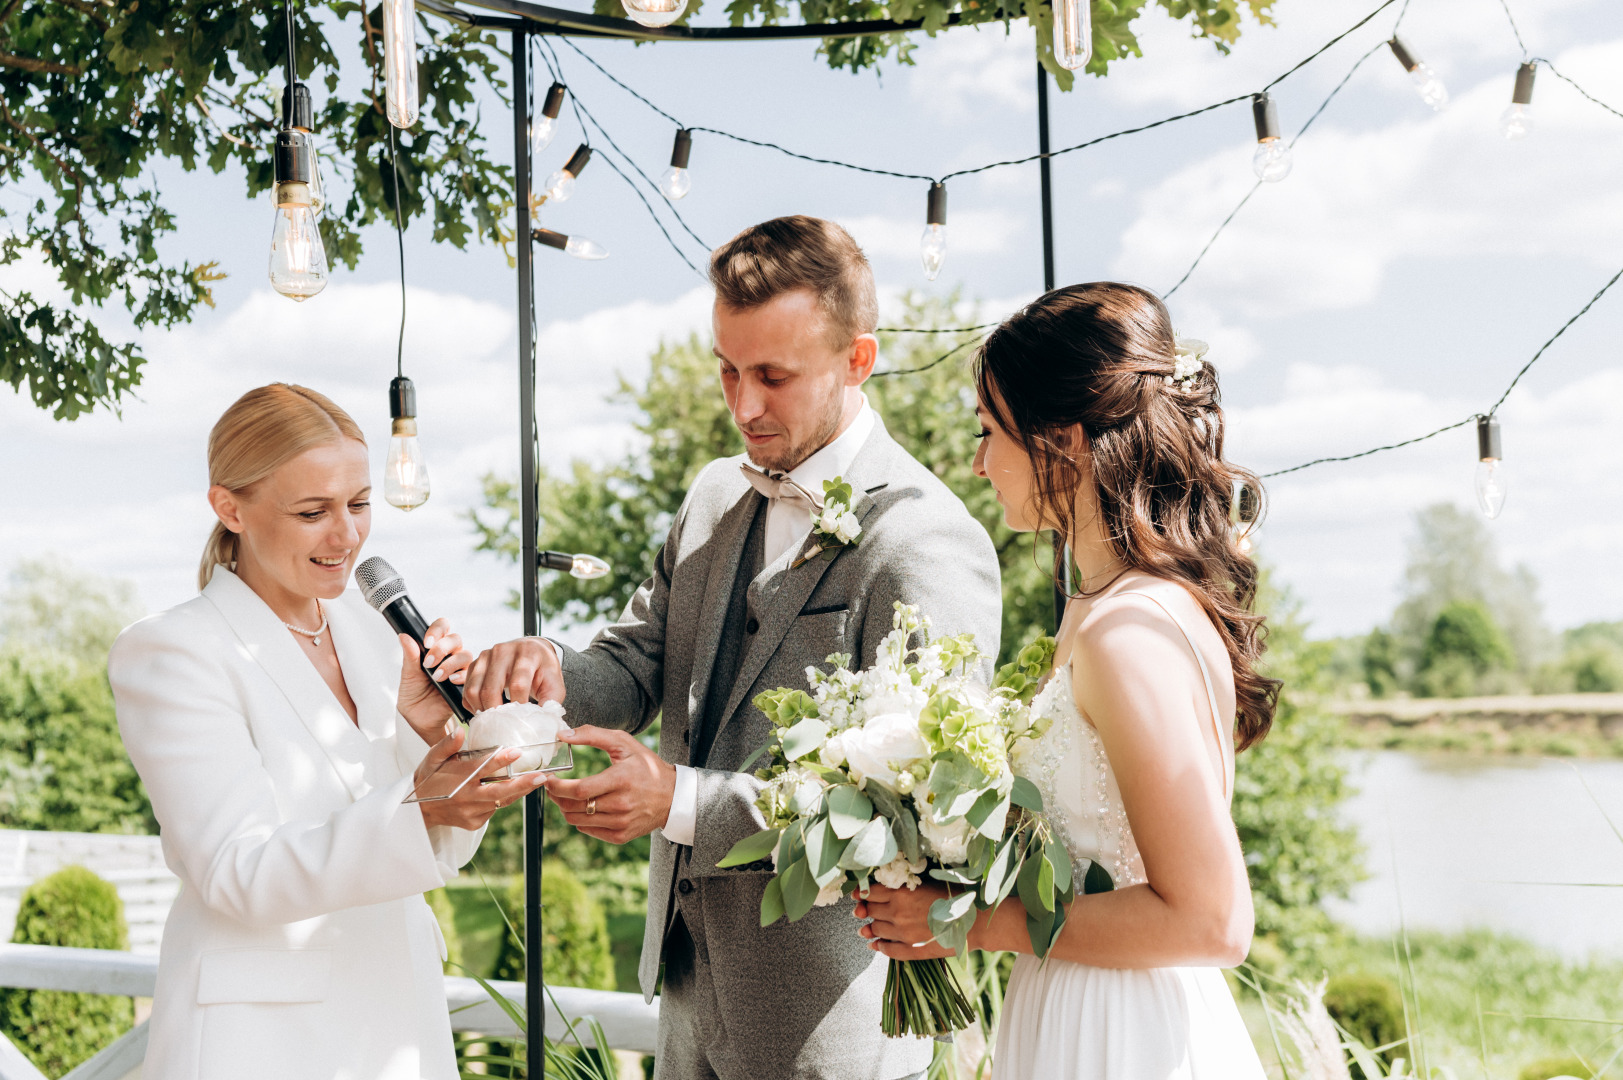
(1490,1004)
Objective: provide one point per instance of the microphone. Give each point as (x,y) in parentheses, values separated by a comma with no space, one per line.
(384,588)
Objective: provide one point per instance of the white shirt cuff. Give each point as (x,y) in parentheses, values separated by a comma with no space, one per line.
(684,817)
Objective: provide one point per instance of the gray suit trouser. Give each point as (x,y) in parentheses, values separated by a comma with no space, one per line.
(692,1045)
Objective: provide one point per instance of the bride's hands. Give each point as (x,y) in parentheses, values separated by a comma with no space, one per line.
(473,805)
(901,921)
(421,705)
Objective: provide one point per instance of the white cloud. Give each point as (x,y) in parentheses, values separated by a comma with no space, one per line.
(1424,186)
(965,71)
(969,232)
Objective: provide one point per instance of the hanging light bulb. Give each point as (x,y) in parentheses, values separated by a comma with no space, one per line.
(1426,83)
(1272,161)
(1245,512)
(298,113)
(400,61)
(933,243)
(561,184)
(546,125)
(1073,33)
(1517,120)
(675,182)
(298,259)
(586,567)
(578,246)
(405,475)
(654,13)
(1490,469)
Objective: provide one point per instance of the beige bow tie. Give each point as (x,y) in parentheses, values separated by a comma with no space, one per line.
(779,488)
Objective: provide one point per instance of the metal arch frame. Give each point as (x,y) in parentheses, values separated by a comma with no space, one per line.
(522,19)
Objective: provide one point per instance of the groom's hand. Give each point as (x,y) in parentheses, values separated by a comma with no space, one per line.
(630,798)
(523,670)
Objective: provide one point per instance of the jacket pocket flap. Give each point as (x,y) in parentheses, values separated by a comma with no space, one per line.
(263,975)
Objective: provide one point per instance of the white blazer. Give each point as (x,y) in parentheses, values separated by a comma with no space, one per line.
(300,947)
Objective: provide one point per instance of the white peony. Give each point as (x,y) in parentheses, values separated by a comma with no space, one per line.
(901,874)
(949,841)
(520,723)
(832,752)
(830,894)
(882,747)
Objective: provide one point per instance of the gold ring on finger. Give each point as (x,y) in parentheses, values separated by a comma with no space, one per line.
(591,806)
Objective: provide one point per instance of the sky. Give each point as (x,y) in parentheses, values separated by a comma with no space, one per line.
(1409,265)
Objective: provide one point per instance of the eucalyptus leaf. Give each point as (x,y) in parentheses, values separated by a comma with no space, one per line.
(956,876)
(772,902)
(999,873)
(799,889)
(873,846)
(1040,929)
(751,849)
(1025,795)
(989,814)
(902,823)
(1045,882)
(804,738)
(1026,884)
(1097,880)
(955,784)
(951,918)
(848,810)
(1061,858)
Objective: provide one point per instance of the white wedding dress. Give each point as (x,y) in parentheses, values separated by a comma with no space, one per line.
(1066,1021)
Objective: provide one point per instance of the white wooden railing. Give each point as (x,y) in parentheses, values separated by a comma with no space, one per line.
(629,1022)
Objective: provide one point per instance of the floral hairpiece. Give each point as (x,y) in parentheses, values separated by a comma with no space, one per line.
(1186,360)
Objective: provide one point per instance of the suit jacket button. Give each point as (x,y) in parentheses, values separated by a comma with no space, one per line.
(684,886)
(752,626)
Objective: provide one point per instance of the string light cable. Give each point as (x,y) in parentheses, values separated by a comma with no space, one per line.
(405,473)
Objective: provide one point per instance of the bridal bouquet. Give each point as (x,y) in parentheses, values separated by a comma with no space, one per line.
(899,773)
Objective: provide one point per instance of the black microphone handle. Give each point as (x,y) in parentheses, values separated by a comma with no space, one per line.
(403,615)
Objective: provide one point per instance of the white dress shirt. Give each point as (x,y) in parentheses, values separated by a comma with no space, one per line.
(786,527)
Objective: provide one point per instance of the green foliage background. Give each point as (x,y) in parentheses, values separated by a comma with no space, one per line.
(58,1030)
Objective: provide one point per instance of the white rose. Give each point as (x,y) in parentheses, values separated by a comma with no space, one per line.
(520,723)
(949,841)
(830,894)
(848,528)
(829,522)
(832,753)
(882,747)
(900,874)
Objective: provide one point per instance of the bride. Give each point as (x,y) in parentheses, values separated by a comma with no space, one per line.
(1095,425)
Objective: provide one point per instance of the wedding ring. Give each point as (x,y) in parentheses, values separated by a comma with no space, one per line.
(591,806)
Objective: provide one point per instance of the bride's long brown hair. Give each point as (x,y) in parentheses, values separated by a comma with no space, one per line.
(1101,355)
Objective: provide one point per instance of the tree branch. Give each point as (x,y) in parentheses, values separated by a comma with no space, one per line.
(88,10)
(38,66)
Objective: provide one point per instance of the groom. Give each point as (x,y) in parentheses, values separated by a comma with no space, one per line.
(735,607)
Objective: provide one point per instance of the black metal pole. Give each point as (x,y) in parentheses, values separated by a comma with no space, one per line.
(534,982)
(1062,588)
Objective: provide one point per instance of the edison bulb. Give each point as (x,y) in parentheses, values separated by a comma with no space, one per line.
(318,194)
(675,182)
(582,248)
(933,249)
(1073,32)
(654,13)
(1272,161)
(560,185)
(1491,486)
(541,132)
(588,567)
(400,61)
(1429,86)
(1517,121)
(405,475)
(298,258)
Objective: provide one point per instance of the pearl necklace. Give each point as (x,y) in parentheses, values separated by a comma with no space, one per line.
(313,635)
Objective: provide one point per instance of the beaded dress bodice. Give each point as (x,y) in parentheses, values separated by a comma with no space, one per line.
(1080,796)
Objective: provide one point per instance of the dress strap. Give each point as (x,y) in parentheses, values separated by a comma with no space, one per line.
(1211,692)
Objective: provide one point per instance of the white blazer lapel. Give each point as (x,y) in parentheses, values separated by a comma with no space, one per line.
(269,643)
(371,667)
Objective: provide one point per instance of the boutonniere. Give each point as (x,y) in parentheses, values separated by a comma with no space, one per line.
(836,525)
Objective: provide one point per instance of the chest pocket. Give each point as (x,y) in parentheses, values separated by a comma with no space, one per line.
(814,637)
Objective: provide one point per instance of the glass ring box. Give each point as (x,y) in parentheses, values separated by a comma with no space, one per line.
(469,766)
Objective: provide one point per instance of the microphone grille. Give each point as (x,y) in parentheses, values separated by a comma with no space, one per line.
(381,584)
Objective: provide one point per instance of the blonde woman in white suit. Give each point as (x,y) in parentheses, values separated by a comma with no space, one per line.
(278,723)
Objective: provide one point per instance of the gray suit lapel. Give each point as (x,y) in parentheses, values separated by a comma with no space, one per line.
(730,535)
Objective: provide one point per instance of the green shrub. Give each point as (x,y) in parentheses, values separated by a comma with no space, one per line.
(575,942)
(62,764)
(58,1030)
(1371,1010)
(445,914)
(1464,645)
(1550,1068)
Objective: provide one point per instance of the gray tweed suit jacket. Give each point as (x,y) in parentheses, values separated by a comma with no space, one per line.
(800,999)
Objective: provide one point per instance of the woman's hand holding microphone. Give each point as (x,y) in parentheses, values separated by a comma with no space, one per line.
(422,707)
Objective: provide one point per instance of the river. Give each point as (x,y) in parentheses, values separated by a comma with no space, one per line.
(1510,844)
